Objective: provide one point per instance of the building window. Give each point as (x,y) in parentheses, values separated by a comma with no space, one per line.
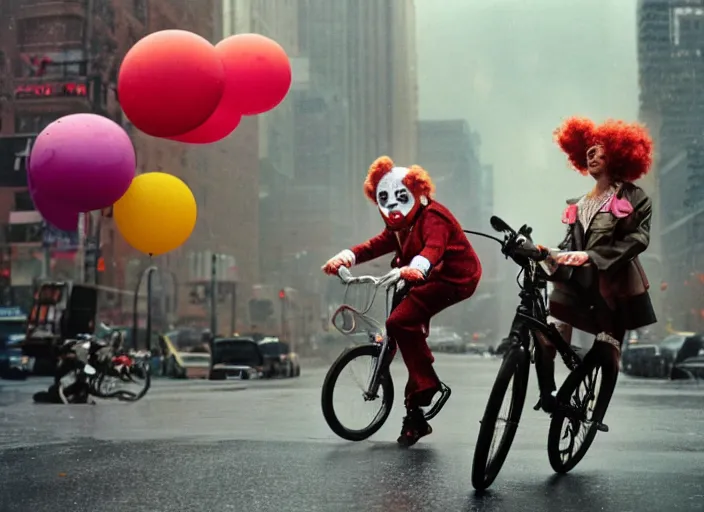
(50,30)
(34,123)
(23,202)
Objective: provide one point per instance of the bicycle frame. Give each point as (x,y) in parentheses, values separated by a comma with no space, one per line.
(531,316)
(394,294)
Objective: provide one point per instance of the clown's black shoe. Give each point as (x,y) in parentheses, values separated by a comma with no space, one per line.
(414,427)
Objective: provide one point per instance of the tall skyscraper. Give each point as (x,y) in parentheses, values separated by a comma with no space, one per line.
(354,98)
(363,53)
(449,150)
(670,48)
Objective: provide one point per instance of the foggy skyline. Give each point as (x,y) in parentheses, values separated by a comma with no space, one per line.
(514,71)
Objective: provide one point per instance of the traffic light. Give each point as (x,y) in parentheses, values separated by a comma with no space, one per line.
(282,294)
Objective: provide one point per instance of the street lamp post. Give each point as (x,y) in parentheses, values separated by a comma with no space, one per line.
(135,317)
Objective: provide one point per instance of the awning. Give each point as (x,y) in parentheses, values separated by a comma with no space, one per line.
(31,217)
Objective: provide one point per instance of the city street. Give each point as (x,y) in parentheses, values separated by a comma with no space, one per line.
(264,446)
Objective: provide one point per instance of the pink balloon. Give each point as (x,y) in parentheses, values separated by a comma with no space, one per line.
(86,161)
(55,213)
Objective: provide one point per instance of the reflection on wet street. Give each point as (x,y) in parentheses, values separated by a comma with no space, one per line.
(266,447)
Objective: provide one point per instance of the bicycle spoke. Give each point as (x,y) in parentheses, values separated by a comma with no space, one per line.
(582,403)
(362,410)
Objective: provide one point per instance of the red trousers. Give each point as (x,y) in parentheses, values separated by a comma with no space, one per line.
(408,327)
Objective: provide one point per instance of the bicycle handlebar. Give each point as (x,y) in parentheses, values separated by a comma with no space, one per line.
(518,243)
(386,280)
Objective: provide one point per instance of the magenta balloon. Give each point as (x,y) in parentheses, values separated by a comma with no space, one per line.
(55,213)
(83,161)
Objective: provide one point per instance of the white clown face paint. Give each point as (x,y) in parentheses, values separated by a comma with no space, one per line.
(394,199)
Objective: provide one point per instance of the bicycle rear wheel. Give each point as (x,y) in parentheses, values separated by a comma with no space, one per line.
(385,402)
(488,462)
(583,391)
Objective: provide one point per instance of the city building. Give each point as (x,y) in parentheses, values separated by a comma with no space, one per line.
(62,57)
(353,98)
(449,150)
(670,45)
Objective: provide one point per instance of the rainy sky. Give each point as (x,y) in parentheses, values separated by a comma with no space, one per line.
(514,69)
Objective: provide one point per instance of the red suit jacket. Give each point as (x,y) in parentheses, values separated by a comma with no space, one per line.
(437,236)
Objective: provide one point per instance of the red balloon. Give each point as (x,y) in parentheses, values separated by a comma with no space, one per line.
(227,115)
(261,68)
(218,126)
(170,82)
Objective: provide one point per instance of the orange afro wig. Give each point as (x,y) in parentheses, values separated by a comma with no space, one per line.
(628,146)
(417,180)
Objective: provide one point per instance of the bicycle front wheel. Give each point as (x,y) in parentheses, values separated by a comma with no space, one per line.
(130,386)
(354,427)
(587,391)
(501,417)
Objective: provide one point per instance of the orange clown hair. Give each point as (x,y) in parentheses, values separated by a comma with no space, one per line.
(417,180)
(628,146)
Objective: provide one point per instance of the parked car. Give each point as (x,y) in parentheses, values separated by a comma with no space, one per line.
(187,365)
(238,358)
(284,362)
(652,359)
(689,362)
(443,340)
(13,364)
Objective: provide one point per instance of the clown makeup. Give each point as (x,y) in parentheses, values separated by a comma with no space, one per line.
(394,199)
(596,160)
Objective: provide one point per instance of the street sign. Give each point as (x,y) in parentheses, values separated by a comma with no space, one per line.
(58,239)
(11,312)
(14,154)
(51,90)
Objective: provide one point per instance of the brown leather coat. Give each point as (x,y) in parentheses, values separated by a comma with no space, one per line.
(613,240)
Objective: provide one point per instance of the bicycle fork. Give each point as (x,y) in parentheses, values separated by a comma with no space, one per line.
(380,364)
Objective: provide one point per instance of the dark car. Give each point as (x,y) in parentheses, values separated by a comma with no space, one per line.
(652,359)
(284,362)
(238,358)
(690,359)
(13,364)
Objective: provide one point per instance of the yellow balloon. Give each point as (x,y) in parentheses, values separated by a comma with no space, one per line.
(157,214)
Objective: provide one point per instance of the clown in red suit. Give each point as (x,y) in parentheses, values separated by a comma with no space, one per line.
(434,256)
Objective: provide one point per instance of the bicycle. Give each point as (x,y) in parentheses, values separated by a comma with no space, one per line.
(379,348)
(573,410)
(91,367)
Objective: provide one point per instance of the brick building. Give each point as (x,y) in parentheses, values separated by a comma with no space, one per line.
(82,43)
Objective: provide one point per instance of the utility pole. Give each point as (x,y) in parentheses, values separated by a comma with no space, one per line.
(282,298)
(213,295)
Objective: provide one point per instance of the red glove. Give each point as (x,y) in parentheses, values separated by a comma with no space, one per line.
(412,275)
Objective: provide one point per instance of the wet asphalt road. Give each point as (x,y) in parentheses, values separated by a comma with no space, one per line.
(197,446)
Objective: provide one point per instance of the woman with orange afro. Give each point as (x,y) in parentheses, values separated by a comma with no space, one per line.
(434,255)
(600,286)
